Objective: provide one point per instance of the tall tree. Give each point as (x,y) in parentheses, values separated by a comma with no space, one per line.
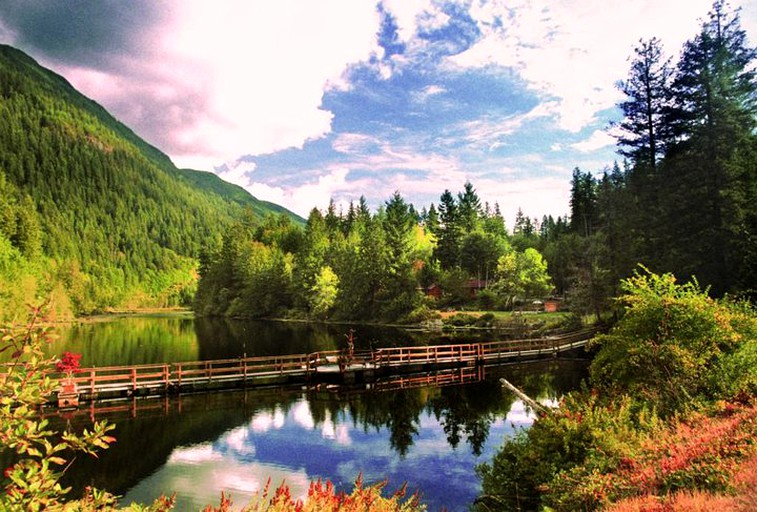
(469,208)
(644,132)
(583,203)
(449,233)
(711,172)
(432,220)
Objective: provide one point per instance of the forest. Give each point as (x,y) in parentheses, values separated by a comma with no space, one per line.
(90,214)
(666,419)
(683,200)
(98,219)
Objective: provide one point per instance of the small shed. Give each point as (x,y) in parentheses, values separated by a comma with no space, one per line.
(434,290)
(552,304)
(475,285)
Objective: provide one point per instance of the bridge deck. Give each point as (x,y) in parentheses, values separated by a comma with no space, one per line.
(327,366)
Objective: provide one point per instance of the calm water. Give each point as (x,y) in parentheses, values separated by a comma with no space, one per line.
(173,338)
(198,445)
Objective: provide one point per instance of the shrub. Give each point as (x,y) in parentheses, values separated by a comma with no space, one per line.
(666,347)
(460,320)
(324,498)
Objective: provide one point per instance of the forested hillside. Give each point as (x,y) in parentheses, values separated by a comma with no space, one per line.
(91,214)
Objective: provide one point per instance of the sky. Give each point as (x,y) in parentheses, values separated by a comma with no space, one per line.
(303,101)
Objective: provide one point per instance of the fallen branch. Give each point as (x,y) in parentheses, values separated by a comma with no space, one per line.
(520,394)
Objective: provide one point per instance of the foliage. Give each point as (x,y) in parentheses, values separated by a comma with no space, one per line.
(521,276)
(668,343)
(654,423)
(740,499)
(323,498)
(588,455)
(582,431)
(68,363)
(92,210)
(363,266)
(32,482)
(324,292)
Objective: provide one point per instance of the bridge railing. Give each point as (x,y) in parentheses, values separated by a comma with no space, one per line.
(164,375)
(118,377)
(221,369)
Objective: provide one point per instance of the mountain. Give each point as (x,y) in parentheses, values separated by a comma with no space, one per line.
(90,213)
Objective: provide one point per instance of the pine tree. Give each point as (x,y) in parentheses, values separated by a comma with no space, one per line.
(644,133)
(468,208)
(449,235)
(710,173)
(583,203)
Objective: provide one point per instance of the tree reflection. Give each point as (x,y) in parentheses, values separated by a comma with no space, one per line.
(465,414)
(469,411)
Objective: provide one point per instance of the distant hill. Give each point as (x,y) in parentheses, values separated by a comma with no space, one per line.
(89,212)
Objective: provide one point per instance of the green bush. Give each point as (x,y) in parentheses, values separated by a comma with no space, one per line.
(671,342)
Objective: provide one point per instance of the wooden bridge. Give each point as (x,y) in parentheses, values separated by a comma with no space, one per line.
(318,367)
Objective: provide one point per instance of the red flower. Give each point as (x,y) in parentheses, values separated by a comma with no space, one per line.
(69,363)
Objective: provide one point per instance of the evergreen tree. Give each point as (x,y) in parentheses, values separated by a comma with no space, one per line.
(644,133)
(432,220)
(468,208)
(710,173)
(583,203)
(449,236)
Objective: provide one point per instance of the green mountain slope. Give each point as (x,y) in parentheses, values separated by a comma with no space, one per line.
(91,213)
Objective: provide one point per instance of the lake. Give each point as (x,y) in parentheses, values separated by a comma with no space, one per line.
(430,437)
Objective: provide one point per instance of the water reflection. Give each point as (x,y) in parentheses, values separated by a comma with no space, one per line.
(298,449)
(430,437)
(169,338)
(128,340)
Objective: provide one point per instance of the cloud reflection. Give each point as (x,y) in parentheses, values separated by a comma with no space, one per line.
(292,447)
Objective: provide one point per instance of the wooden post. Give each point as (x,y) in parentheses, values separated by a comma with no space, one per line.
(134,379)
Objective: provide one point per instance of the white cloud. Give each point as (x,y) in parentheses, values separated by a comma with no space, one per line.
(490,132)
(236,172)
(356,143)
(301,199)
(574,51)
(599,139)
(235,78)
(408,13)
(427,92)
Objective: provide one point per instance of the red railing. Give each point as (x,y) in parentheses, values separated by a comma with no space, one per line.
(157,376)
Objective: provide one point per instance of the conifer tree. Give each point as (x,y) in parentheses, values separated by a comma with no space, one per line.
(644,133)
(710,173)
(449,233)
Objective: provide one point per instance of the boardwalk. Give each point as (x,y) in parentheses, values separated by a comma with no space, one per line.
(317,367)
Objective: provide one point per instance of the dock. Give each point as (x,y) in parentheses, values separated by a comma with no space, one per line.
(326,367)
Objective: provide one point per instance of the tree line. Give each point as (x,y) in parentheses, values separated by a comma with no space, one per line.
(685,198)
(374,266)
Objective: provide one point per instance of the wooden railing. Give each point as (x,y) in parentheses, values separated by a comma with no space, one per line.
(160,378)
